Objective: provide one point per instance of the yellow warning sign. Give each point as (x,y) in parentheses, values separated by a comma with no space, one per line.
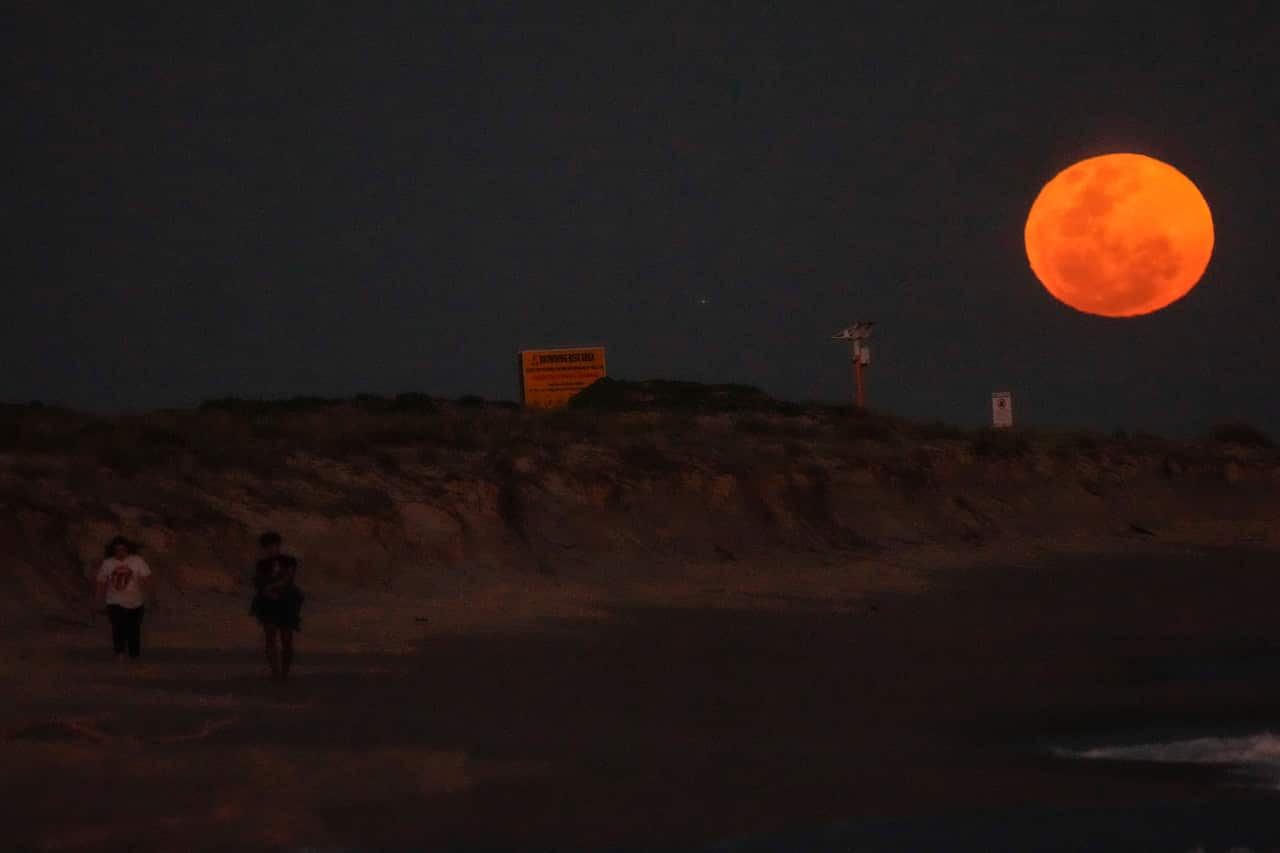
(550,377)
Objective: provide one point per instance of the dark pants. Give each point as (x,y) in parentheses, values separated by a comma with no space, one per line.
(126,628)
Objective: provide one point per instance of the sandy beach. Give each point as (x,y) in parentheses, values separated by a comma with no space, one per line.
(719,703)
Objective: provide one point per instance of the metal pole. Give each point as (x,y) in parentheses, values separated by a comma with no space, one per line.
(857,369)
(855,355)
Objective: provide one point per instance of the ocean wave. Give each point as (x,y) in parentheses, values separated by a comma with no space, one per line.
(1257,754)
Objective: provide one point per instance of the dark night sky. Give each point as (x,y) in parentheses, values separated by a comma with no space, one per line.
(276,201)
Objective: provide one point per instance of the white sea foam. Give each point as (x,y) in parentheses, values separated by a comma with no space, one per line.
(1257,754)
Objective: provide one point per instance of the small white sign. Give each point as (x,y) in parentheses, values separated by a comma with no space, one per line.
(1002,409)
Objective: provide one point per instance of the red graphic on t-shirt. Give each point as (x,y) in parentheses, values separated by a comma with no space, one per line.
(120,577)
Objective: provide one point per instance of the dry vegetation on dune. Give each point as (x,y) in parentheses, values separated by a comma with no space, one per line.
(377,489)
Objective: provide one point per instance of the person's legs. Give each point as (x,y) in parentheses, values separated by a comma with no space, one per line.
(286,652)
(118,636)
(273,660)
(134,635)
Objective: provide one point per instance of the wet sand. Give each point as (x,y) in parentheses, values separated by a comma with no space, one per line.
(612,718)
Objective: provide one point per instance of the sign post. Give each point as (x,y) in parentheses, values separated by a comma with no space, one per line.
(1002,409)
(550,377)
(859,354)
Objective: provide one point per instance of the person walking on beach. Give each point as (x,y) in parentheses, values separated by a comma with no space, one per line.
(277,604)
(123,582)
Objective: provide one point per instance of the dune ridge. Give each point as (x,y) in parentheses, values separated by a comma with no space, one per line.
(396,492)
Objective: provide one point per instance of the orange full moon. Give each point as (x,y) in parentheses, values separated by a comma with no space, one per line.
(1119,235)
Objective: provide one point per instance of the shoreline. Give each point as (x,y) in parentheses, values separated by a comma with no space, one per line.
(751,701)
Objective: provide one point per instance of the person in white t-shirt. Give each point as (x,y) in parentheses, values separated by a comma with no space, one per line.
(124,579)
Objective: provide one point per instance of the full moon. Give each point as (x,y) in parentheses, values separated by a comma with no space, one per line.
(1119,235)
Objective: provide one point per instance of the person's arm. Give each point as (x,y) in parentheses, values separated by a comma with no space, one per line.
(100,588)
(146,580)
(288,568)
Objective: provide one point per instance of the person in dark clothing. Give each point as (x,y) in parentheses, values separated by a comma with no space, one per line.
(123,582)
(277,603)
